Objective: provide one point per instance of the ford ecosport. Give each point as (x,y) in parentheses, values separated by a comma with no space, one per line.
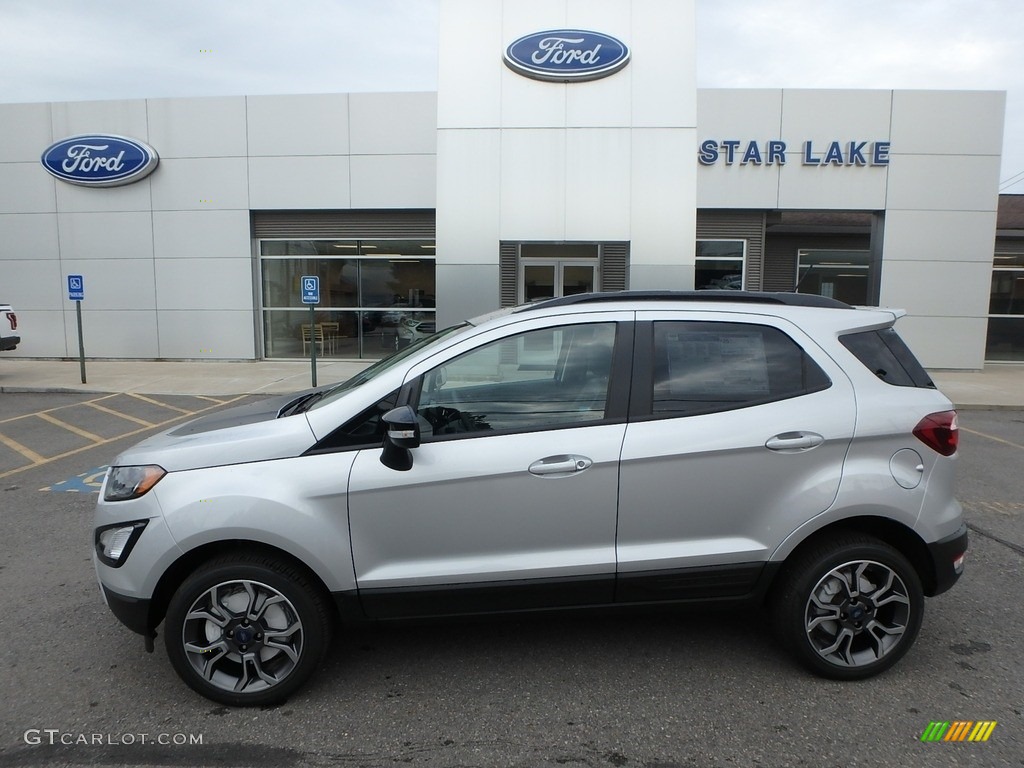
(601,450)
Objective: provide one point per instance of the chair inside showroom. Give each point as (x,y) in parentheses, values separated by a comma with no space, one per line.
(313,335)
(331,331)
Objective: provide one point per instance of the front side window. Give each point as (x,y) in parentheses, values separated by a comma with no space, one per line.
(542,379)
(702,367)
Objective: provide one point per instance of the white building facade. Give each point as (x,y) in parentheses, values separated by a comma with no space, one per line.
(416,210)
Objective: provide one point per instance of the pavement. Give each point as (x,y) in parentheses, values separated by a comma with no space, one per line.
(994,387)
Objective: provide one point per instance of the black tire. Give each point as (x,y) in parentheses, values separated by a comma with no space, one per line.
(247,630)
(848,632)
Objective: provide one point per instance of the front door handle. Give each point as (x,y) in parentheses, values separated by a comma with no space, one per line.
(560,465)
(794,442)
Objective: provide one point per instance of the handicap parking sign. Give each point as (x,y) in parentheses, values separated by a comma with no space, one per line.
(310,289)
(76,288)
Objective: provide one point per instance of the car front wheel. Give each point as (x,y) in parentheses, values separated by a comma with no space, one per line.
(247,630)
(849,607)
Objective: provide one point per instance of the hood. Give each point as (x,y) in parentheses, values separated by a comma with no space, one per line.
(245,433)
(250,413)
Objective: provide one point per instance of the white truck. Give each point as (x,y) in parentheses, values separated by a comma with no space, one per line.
(9,338)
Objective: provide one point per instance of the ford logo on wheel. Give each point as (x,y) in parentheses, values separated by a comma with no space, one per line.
(566,55)
(100,160)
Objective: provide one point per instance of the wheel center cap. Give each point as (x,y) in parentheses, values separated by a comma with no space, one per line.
(244,635)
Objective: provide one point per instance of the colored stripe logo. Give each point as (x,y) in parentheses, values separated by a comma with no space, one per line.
(959,730)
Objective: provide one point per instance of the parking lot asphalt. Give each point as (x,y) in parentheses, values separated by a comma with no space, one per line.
(661,690)
(41,428)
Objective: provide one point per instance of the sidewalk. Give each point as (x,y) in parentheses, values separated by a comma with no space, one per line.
(997,386)
(171,378)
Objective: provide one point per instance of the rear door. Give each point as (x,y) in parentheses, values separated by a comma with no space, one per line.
(739,429)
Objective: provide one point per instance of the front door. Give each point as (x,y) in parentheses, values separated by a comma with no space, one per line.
(511,499)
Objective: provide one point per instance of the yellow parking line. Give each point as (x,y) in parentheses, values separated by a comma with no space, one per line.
(119,415)
(40,460)
(28,453)
(992,437)
(55,409)
(69,427)
(157,402)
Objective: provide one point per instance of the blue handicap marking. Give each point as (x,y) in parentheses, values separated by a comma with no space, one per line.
(87,482)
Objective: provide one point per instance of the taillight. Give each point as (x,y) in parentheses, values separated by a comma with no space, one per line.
(939,431)
(13,320)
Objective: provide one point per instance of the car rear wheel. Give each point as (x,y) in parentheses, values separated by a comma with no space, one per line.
(247,630)
(849,607)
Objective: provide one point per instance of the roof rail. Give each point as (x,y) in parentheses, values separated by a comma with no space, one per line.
(745,297)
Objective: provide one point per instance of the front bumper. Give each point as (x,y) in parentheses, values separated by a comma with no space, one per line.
(133,612)
(945,554)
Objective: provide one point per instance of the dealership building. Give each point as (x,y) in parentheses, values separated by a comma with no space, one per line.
(566,149)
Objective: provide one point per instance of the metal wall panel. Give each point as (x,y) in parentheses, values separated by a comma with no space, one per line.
(364,225)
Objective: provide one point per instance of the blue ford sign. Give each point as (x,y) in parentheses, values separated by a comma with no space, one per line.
(566,55)
(99,160)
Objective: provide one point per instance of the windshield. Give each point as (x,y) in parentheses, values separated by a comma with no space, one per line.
(385,364)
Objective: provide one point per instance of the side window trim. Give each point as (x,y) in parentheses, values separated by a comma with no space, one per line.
(641,396)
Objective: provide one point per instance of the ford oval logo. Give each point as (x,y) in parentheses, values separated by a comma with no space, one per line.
(566,55)
(100,160)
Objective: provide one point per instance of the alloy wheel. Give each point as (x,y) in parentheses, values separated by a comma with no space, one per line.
(242,636)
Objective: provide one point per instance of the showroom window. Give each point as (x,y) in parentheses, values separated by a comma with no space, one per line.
(720,265)
(1006,309)
(376,296)
(842,275)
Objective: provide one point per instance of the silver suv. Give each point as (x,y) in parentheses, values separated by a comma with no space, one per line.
(602,450)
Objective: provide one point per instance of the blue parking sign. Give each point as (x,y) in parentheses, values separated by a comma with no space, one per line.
(310,289)
(76,288)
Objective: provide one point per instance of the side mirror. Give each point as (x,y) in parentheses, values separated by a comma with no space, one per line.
(403,426)
(403,434)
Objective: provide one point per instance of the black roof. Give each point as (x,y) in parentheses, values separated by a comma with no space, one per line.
(744,297)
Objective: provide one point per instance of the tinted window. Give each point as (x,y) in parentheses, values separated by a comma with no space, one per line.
(540,379)
(885,355)
(362,431)
(705,367)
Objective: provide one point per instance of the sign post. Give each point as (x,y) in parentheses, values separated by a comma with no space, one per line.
(76,293)
(311,296)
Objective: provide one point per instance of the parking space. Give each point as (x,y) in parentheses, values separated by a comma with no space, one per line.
(31,436)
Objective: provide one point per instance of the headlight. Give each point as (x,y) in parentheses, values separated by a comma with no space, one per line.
(114,542)
(125,483)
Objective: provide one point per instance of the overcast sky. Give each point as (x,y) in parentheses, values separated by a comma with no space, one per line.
(70,50)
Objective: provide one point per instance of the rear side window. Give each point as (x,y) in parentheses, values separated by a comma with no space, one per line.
(705,367)
(886,355)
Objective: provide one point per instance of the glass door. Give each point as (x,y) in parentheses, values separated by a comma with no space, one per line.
(551,278)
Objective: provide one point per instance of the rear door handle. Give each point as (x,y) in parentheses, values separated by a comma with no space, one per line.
(560,465)
(794,442)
